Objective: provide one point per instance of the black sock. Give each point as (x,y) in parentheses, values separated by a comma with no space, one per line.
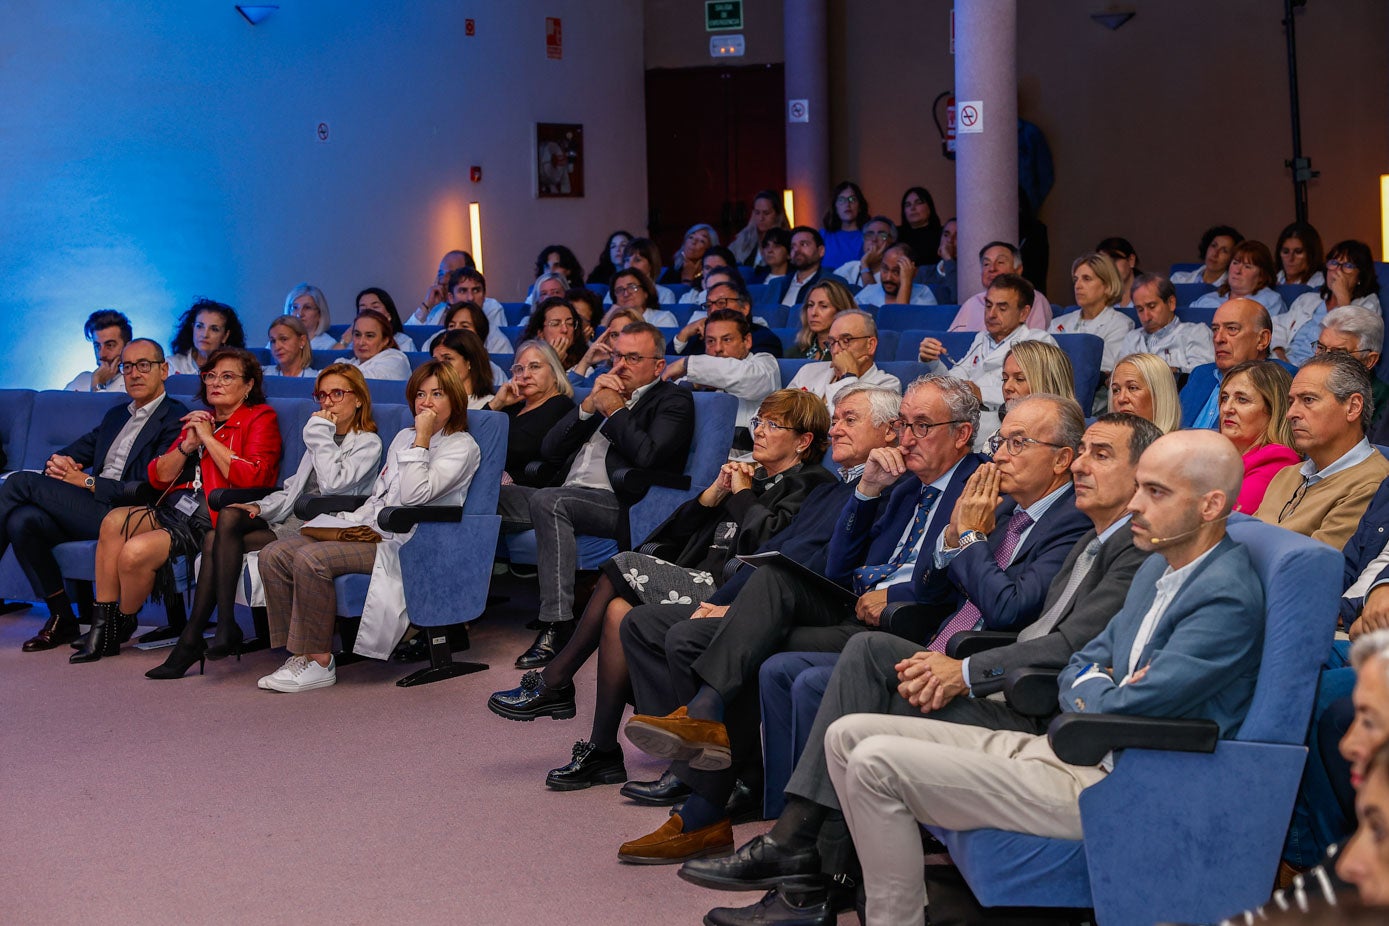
(699,813)
(60,606)
(798,827)
(707,704)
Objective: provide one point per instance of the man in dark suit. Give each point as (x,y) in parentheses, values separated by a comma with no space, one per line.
(65,502)
(807,255)
(885,674)
(778,608)
(630,419)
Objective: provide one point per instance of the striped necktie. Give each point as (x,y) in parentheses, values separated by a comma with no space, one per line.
(865,577)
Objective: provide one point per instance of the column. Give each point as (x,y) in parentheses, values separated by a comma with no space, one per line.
(807,78)
(986,163)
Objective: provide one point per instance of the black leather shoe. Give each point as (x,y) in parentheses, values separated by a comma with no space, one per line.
(775,907)
(744,805)
(547,645)
(588,766)
(534,699)
(757,865)
(57,630)
(662,792)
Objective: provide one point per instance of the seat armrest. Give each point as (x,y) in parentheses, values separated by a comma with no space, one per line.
(968,642)
(541,472)
(311,506)
(636,480)
(221,498)
(1032,691)
(665,551)
(1085,739)
(908,620)
(400,519)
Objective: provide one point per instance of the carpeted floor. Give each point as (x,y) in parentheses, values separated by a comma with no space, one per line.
(207,800)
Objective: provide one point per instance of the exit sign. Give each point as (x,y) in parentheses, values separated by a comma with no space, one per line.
(723,14)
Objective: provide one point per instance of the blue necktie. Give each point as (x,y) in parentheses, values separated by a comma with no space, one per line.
(865,577)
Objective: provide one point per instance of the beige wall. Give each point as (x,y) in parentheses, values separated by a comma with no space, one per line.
(675,36)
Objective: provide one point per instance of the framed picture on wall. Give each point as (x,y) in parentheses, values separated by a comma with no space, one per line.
(559,154)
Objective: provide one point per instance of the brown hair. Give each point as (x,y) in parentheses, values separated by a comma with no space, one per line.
(363,420)
(806,413)
(383,320)
(1272,383)
(250,369)
(452,385)
(1258,254)
(468,345)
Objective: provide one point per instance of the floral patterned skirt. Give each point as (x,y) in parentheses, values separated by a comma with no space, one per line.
(643,579)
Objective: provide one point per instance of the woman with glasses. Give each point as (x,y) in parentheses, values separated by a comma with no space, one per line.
(1350,280)
(462,350)
(1251,274)
(823,302)
(633,289)
(745,505)
(843,225)
(342,453)
(645,255)
(308,304)
(289,345)
(555,322)
(547,286)
(1254,416)
(536,398)
(204,328)
(374,350)
(234,443)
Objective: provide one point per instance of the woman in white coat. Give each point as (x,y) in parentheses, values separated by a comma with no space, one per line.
(374,350)
(342,452)
(432,463)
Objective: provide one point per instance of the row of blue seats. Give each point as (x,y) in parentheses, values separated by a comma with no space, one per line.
(1381,273)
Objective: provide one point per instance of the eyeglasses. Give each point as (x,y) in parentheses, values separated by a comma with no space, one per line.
(1015,444)
(632,359)
(1319,348)
(754,423)
(723,302)
(223,378)
(1335,264)
(629,288)
(144,366)
(528,369)
(559,323)
(920,429)
(878,235)
(847,200)
(336,395)
(845,340)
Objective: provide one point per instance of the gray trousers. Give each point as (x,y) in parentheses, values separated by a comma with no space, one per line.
(558,515)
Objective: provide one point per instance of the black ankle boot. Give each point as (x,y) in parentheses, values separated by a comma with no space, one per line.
(102,639)
(180,659)
(226,641)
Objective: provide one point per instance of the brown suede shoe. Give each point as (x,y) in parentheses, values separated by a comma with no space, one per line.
(678,736)
(669,846)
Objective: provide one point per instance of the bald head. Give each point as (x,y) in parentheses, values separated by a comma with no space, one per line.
(1205,460)
(1188,482)
(1241,331)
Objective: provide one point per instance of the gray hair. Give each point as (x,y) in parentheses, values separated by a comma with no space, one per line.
(547,354)
(1070,419)
(535,287)
(884,405)
(1369,646)
(1165,290)
(870,324)
(320,300)
(1360,323)
(959,397)
(884,220)
(1346,377)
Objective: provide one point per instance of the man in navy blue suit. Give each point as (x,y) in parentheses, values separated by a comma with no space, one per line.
(778,608)
(65,502)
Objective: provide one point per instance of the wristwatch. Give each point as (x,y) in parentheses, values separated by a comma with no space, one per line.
(89,483)
(968,537)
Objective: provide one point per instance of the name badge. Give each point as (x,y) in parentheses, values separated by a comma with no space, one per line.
(186,505)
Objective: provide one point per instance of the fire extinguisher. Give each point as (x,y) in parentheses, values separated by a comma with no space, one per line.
(947,131)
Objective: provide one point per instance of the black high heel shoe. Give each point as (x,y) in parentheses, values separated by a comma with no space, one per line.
(181,657)
(220,648)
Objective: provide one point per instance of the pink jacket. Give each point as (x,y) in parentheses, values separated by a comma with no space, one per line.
(1260,466)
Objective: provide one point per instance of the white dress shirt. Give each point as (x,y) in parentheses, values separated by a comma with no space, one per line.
(982,364)
(1182,345)
(874,294)
(590,468)
(125,438)
(818,377)
(1110,324)
(903,573)
(1268,297)
(852,272)
(388,364)
(749,380)
(82,382)
(1194,276)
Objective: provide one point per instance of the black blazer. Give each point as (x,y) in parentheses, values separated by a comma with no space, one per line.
(156,436)
(784,285)
(654,434)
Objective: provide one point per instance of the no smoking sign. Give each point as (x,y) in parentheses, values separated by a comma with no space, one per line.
(797,110)
(970,117)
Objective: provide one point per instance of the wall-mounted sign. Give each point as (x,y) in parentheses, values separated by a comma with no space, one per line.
(723,14)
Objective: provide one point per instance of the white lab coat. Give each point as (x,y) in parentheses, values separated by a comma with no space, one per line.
(749,380)
(818,378)
(388,364)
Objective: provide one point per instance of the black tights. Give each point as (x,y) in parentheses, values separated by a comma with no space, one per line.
(597,631)
(236,534)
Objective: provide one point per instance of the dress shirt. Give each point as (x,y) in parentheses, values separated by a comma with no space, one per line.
(874,294)
(491,308)
(119,453)
(306,373)
(971,314)
(818,377)
(1268,297)
(1167,588)
(590,469)
(1036,511)
(852,272)
(908,565)
(793,292)
(1194,276)
(1352,457)
(982,364)
(1182,345)
(661,318)
(1110,324)
(1315,280)
(82,382)
(749,380)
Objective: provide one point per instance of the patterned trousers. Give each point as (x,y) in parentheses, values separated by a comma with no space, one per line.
(300,600)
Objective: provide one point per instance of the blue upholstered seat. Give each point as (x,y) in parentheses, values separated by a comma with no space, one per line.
(1086,352)
(956,343)
(1187,293)
(903,317)
(1188,837)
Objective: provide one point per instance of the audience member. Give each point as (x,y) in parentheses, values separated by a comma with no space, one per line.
(729,365)
(461,349)
(644,255)
(1357,331)
(556,258)
(308,304)
(235,443)
(289,346)
(944,273)
(1126,262)
(470,317)
(374,349)
(767,214)
(1182,345)
(920,227)
(715,258)
(590,308)
(555,322)
(1036,366)
(822,304)
(597,358)
(1216,247)
(1240,332)
(895,286)
(878,235)
(467,284)
(774,257)
(1251,275)
(726,295)
(1299,253)
(630,418)
(536,399)
(342,454)
(853,343)
(633,289)
(685,265)
(109,332)
(205,327)
(1096,283)
(842,225)
(1254,416)
(63,503)
(884,674)
(612,257)
(807,265)
(1142,385)
(431,463)
(995,258)
(437,297)
(1350,280)
(1365,860)
(1330,407)
(549,285)
(375,299)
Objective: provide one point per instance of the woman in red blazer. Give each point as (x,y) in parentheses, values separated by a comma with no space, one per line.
(235,443)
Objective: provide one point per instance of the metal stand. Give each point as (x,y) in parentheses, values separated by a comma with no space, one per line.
(441,664)
(1300,166)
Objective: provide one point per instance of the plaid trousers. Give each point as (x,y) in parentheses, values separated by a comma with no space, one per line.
(300,601)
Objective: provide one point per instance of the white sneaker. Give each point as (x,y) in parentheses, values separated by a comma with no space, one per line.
(303,674)
(283,672)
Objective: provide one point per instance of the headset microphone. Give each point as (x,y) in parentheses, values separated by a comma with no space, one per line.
(1158,541)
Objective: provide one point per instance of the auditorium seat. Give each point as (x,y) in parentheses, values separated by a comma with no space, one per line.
(516,312)
(790,367)
(1187,293)
(956,344)
(598,289)
(906,371)
(1086,352)
(930,317)
(1290,291)
(762,294)
(16,406)
(1201,316)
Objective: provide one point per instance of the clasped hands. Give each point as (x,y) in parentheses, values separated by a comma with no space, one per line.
(733,477)
(929,681)
(607,395)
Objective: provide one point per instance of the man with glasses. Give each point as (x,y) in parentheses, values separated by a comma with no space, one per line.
(727,292)
(896,284)
(879,233)
(853,344)
(1331,405)
(995,258)
(64,502)
(807,255)
(109,333)
(631,419)
(729,365)
(1359,332)
(1240,331)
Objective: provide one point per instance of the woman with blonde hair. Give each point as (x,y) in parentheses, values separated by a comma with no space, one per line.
(308,304)
(1036,366)
(1098,289)
(1254,416)
(822,303)
(291,348)
(1143,385)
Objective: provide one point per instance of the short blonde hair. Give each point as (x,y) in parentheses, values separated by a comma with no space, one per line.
(295,324)
(1104,268)
(364,421)
(1046,367)
(1154,371)
(806,413)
